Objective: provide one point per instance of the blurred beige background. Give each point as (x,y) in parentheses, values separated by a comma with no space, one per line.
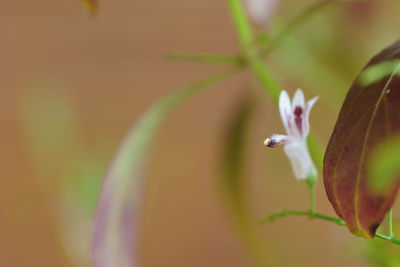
(113,67)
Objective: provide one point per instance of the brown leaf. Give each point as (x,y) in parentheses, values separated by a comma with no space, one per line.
(370,114)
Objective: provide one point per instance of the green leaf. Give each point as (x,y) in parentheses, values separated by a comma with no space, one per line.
(370,114)
(233,181)
(115,222)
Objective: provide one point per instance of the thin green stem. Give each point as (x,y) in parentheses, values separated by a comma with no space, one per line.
(265,78)
(207,58)
(311,181)
(245,34)
(303,17)
(242,25)
(390,222)
(312,198)
(338,221)
(251,52)
(308,213)
(391,239)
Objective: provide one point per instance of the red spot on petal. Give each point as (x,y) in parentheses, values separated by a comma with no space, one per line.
(298,111)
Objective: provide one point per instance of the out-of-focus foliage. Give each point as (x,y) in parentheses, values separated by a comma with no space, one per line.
(315,57)
(115,229)
(50,126)
(233,181)
(370,113)
(379,253)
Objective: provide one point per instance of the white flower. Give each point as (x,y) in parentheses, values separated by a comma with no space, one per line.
(295,120)
(260,11)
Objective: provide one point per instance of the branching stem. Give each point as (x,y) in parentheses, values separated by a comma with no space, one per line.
(311,215)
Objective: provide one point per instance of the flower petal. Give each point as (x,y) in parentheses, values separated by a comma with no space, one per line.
(298,109)
(310,104)
(299,158)
(285,110)
(298,99)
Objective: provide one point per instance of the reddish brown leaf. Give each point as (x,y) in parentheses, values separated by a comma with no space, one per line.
(370,113)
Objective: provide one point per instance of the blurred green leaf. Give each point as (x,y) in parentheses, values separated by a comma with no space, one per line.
(114,238)
(382,254)
(49,123)
(379,71)
(51,132)
(233,181)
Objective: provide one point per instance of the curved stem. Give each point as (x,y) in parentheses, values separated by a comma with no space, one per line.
(308,213)
(312,215)
(303,17)
(246,38)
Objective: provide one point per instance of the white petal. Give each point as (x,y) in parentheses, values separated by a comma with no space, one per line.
(310,104)
(285,110)
(296,125)
(299,159)
(298,99)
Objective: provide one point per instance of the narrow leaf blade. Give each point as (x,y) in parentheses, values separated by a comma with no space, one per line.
(370,113)
(115,225)
(233,182)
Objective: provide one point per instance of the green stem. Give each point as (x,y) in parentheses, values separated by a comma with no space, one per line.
(251,52)
(391,239)
(242,25)
(312,198)
(263,75)
(303,17)
(311,215)
(246,38)
(390,219)
(308,213)
(311,181)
